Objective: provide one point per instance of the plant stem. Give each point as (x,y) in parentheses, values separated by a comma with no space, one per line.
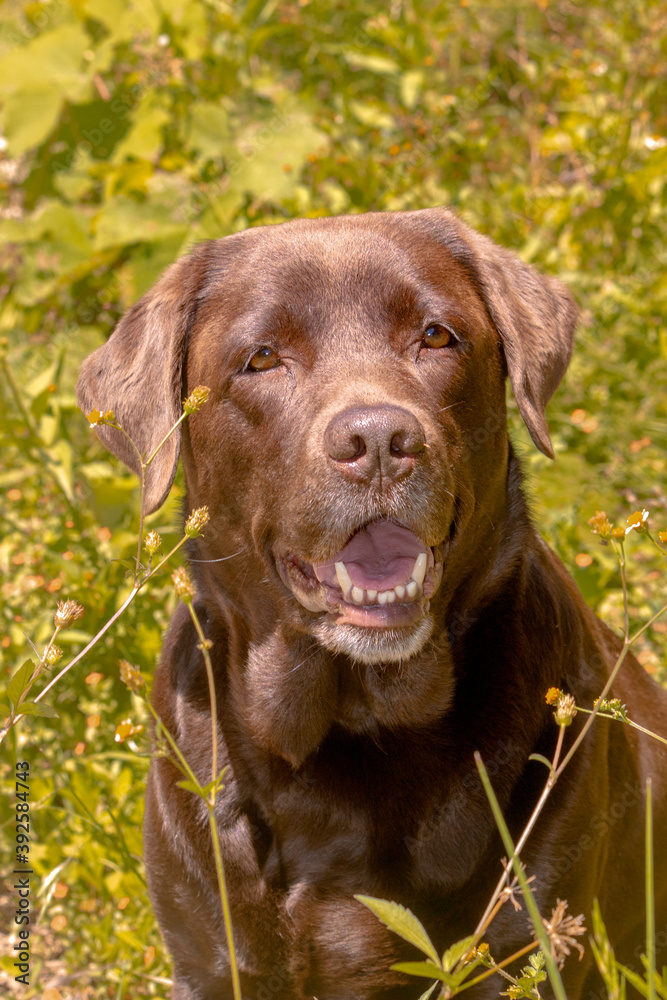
(495,903)
(211,694)
(164,440)
(224,898)
(210,804)
(126,603)
(650,900)
(142,493)
(531,905)
(628,722)
(105,628)
(499,965)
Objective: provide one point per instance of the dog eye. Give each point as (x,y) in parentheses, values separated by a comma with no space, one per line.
(263,360)
(436,336)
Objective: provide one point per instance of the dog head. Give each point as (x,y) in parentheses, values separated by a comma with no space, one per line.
(354,448)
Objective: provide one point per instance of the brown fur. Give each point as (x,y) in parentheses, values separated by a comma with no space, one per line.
(349,773)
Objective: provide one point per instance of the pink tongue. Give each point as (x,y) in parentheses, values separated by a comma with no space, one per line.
(379,557)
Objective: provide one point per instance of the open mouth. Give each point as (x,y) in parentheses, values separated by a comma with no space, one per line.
(383,577)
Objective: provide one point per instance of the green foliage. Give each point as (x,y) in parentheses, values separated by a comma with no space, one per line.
(529,979)
(403,922)
(132,131)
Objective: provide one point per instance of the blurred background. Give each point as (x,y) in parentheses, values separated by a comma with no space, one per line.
(130,129)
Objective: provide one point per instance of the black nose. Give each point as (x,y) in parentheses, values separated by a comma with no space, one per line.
(369,442)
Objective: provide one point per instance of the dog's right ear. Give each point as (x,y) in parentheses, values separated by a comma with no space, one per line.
(138,373)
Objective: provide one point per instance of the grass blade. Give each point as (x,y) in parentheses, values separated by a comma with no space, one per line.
(531,905)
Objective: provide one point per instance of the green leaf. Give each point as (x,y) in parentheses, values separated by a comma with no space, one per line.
(456,952)
(272,152)
(61,455)
(145,137)
(207,129)
(191,786)
(29,116)
(371,115)
(429,992)
(542,760)
(402,922)
(411,85)
(55,57)
(38,708)
(370,60)
(19,681)
(123,221)
(425,969)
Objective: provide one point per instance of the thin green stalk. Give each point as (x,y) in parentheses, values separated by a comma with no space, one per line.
(531,905)
(640,631)
(650,900)
(628,641)
(624,584)
(184,766)
(220,870)
(126,603)
(204,645)
(224,898)
(105,628)
(142,493)
(628,722)
(492,907)
(164,440)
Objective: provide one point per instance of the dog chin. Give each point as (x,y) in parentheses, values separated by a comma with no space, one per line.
(375,645)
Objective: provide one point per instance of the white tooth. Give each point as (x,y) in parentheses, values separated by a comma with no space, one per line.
(400,591)
(412,588)
(419,570)
(371,594)
(357,595)
(343,577)
(389,596)
(382,597)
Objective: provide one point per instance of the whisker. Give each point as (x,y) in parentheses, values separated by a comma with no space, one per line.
(315,649)
(222,559)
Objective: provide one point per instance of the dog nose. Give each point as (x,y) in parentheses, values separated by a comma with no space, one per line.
(366,442)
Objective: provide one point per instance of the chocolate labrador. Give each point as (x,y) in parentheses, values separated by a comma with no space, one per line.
(380,606)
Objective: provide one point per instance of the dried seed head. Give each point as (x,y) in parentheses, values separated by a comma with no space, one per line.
(565,710)
(183,584)
(152,542)
(196,399)
(130,676)
(194,524)
(562,930)
(66,613)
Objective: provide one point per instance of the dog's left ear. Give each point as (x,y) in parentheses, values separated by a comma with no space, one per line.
(138,374)
(534,314)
